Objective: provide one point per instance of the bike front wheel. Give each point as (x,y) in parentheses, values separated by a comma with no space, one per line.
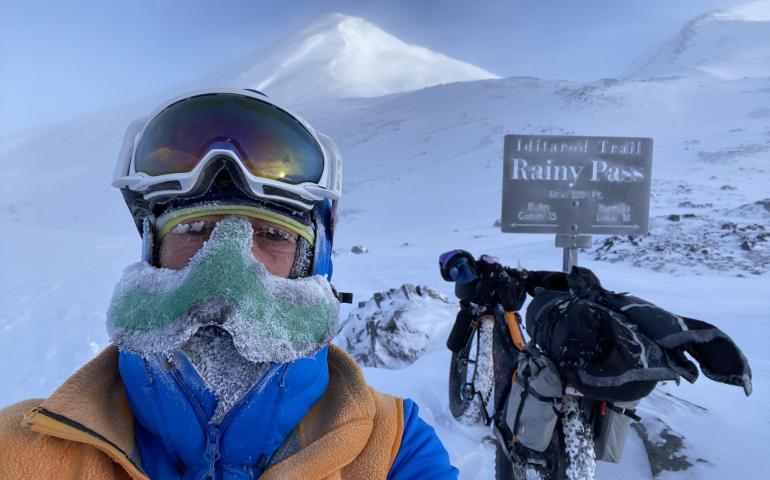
(471,375)
(526,464)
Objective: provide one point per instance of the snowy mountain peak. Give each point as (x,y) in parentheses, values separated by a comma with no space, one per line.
(342,56)
(750,12)
(726,44)
(333,21)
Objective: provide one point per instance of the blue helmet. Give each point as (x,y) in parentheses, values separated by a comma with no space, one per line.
(232,147)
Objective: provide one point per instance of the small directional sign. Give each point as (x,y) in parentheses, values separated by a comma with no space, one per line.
(576,185)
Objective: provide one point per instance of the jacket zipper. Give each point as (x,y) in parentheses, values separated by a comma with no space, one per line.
(42,421)
(213,429)
(212,449)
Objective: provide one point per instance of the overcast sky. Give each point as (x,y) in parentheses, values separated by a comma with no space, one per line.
(59,59)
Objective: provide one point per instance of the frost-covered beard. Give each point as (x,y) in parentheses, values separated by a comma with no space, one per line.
(266,318)
(227,373)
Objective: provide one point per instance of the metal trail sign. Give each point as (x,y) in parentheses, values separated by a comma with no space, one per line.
(576,185)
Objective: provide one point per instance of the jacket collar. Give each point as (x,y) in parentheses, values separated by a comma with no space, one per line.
(93,407)
(335,430)
(173,410)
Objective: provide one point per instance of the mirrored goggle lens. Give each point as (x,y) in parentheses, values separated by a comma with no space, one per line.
(271,143)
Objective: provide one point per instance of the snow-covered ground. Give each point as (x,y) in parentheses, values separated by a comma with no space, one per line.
(423,175)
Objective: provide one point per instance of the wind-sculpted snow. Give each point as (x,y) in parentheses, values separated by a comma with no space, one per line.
(667,446)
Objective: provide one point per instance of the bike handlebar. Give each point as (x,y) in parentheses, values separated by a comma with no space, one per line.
(487,282)
(484,281)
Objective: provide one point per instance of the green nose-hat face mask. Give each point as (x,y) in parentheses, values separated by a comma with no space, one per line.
(270,318)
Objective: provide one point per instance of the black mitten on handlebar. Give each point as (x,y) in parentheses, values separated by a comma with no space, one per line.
(540,280)
(481,290)
(512,293)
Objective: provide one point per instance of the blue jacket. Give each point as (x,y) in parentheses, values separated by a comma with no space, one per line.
(177,440)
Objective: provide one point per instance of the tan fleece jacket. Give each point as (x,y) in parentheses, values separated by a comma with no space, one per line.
(85,430)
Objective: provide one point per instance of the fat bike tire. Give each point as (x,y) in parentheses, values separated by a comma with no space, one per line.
(470,374)
(554,459)
(461,404)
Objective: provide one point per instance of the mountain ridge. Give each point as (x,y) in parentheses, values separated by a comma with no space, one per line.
(726,44)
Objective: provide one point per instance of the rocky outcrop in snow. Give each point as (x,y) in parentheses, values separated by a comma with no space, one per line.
(396,327)
(733,240)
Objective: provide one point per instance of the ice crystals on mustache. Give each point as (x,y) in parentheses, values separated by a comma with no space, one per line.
(270,318)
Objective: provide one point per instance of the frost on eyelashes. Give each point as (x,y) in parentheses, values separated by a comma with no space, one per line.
(195,227)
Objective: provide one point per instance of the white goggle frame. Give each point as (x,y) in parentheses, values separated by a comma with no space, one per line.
(303,195)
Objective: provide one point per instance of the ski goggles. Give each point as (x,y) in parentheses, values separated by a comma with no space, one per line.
(277,154)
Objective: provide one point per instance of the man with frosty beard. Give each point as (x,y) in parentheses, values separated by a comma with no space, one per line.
(221,366)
